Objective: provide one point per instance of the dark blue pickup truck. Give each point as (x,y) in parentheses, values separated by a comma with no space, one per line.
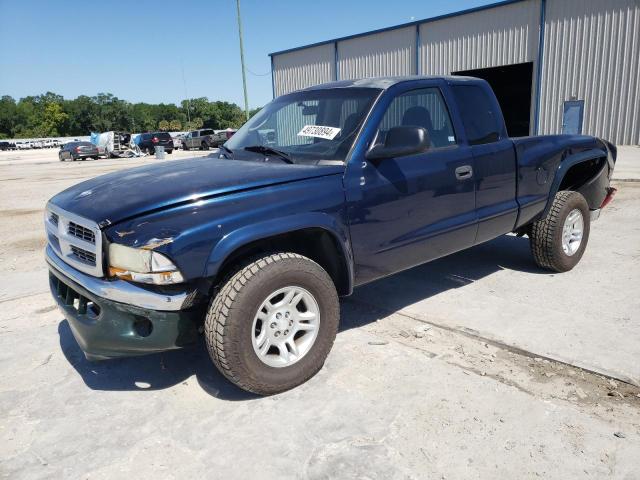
(323,190)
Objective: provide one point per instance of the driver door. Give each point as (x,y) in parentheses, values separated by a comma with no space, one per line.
(408,210)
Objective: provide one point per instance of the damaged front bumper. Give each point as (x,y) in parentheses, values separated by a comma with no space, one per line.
(115,318)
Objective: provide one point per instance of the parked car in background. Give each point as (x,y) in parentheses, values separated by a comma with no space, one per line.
(149,141)
(206,138)
(78,151)
(7,146)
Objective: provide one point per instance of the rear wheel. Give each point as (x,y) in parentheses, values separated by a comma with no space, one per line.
(273,322)
(558,241)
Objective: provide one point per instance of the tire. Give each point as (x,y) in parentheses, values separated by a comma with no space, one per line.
(185,147)
(204,146)
(60,158)
(546,237)
(231,323)
(169,152)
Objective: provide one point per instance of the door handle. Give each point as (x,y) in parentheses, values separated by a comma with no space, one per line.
(464,172)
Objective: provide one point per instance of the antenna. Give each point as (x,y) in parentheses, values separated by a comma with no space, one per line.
(244,77)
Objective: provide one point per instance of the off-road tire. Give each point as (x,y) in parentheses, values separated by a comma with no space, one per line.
(230,317)
(185,147)
(546,234)
(204,146)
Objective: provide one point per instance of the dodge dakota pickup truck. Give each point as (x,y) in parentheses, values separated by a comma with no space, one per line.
(323,190)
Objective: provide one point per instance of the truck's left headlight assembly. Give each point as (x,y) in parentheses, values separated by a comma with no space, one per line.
(141,265)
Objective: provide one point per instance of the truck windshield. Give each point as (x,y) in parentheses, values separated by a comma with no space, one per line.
(306,126)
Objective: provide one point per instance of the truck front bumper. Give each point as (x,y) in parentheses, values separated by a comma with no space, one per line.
(119,319)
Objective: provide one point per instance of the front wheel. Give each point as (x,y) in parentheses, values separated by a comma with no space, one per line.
(559,240)
(273,323)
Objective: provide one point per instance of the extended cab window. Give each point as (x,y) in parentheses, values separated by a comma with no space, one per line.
(420,108)
(478,114)
(206,132)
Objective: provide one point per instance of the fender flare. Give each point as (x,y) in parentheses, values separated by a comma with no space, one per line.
(564,166)
(277,226)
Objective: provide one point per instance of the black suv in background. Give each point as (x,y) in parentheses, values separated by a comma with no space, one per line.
(149,141)
(78,151)
(7,146)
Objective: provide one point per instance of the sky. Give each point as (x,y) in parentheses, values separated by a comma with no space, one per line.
(138,49)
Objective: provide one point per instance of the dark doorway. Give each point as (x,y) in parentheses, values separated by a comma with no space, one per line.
(512,85)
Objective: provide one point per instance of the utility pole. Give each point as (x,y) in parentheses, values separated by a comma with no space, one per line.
(186,95)
(244,77)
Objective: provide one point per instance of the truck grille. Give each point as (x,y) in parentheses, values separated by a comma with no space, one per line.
(84,255)
(76,240)
(81,232)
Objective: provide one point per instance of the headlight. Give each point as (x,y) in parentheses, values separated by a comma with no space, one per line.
(140,265)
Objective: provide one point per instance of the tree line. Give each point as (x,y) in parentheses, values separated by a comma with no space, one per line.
(51,115)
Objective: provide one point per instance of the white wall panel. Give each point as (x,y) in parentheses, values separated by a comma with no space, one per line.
(303,68)
(487,38)
(592,53)
(377,55)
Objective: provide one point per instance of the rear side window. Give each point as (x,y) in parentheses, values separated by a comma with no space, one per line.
(163,135)
(479,117)
(206,132)
(420,108)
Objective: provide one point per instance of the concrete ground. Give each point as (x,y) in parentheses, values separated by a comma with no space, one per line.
(478,365)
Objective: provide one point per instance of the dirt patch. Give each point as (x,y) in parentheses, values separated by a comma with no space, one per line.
(18,212)
(31,244)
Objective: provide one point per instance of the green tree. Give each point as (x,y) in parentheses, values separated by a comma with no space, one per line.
(163,125)
(53,120)
(175,125)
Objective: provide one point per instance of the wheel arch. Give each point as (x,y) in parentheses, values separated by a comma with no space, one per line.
(585,172)
(317,236)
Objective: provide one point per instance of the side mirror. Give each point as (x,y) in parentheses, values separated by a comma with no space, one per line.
(400,142)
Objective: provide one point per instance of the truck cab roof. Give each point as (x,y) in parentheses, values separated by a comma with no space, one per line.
(387,82)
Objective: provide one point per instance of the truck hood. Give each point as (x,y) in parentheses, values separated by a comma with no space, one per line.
(112,198)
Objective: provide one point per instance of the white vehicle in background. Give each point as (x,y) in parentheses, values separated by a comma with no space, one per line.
(23,145)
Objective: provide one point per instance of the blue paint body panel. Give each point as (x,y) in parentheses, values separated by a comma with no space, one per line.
(384,216)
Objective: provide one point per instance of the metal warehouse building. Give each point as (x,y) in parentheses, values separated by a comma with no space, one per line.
(569,66)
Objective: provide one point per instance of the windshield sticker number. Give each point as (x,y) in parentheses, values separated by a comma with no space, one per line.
(319,131)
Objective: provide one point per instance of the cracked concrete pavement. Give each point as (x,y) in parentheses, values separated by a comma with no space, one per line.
(477,365)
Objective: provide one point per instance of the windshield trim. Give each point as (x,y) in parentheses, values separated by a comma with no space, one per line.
(338,154)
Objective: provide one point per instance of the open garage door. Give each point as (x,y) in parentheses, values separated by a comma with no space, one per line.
(512,85)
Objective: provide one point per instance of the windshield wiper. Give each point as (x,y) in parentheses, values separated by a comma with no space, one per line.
(265,150)
(226,149)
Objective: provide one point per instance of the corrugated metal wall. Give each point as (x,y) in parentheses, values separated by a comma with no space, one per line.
(380,54)
(488,38)
(303,68)
(592,53)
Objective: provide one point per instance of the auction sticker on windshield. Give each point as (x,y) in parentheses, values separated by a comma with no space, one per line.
(319,131)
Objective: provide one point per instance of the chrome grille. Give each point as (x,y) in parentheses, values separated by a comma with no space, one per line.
(76,240)
(83,255)
(81,232)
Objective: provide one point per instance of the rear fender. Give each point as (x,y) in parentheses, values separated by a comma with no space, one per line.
(278,226)
(602,176)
